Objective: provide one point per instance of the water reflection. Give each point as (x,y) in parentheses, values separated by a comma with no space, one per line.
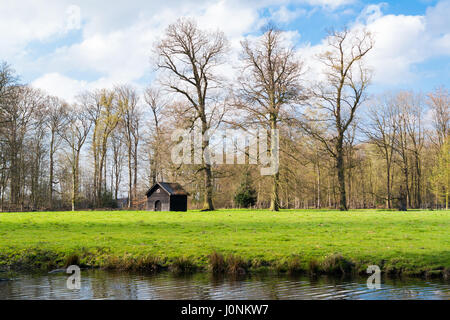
(96,284)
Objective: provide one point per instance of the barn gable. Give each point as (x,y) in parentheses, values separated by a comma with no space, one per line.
(169,188)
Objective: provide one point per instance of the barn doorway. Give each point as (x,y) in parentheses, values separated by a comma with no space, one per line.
(158,205)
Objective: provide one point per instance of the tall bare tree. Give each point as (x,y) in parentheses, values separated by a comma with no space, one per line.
(131,115)
(269,81)
(18,117)
(92,103)
(341,94)
(118,156)
(75,134)
(56,119)
(409,143)
(37,151)
(153,98)
(105,114)
(439,101)
(8,81)
(382,132)
(190,57)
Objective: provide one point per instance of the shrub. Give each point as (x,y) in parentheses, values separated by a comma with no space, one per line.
(245,195)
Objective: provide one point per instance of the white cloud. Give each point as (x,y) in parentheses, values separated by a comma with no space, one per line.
(117,38)
(59,85)
(121,54)
(333,4)
(285,15)
(437,18)
(401,41)
(24,21)
(371,13)
(73,18)
(232,18)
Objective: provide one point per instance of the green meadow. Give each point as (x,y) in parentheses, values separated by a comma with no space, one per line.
(413,242)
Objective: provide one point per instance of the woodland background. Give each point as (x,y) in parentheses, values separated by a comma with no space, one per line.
(339,147)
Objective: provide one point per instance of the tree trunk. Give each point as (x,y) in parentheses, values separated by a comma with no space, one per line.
(388,186)
(406,175)
(341,174)
(75,177)
(95,152)
(388,179)
(318,185)
(135,170)
(130,176)
(274,199)
(15,180)
(208,202)
(74,183)
(50,191)
(418,182)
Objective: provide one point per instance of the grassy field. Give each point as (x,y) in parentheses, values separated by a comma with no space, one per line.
(415,242)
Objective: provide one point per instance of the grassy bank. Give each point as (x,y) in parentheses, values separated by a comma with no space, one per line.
(234,241)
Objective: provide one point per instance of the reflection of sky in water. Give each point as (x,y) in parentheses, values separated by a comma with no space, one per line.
(104,285)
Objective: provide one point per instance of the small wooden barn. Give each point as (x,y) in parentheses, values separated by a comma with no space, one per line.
(165,196)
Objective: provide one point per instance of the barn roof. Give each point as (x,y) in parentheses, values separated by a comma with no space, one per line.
(170,187)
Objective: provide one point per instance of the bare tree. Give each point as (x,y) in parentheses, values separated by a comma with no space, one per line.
(382,132)
(105,114)
(118,159)
(409,143)
(36,153)
(56,119)
(439,101)
(18,116)
(269,81)
(74,134)
(341,94)
(92,103)
(189,57)
(155,101)
(8,81)
(131,115)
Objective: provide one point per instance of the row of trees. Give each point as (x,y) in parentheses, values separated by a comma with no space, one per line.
(338,148)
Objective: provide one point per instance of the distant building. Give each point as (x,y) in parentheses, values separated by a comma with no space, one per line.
(164,196)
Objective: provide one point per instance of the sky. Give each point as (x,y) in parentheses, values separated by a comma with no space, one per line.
(68,46)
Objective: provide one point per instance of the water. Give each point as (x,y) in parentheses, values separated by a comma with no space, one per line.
(97,284)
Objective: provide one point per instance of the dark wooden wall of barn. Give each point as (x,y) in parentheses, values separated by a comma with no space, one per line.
(178,203)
